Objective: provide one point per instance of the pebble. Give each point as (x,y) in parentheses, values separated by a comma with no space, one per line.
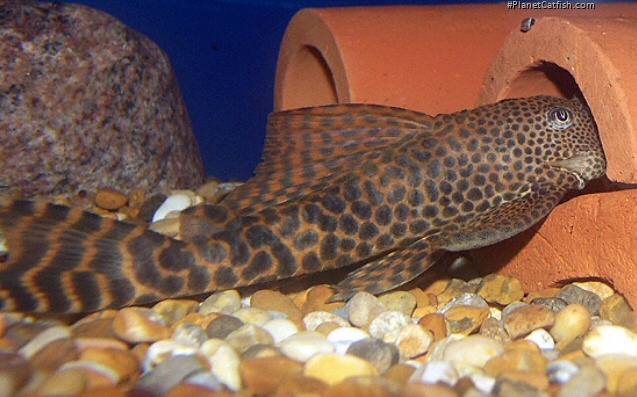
(387,325)
(224,362)
(364,308)
(314,319)
(455,287)
(614,308)
(252,315)
(247,336)
(190,390)
(495,288)
(168,227)
(174,202)
(436,323)
(172,310)
(110,199)
(304,345)
(280,329)
(169,373)
(262,376)
(587,382)
(189,334)
(378,353)
(333,368)
(571,322)
(573,294)
(599,288)
(422,389)
(473,350)
(226,302)
(136,324)
(555,304)
(54,355)
(399,301)
(493,328)
(610,339)
(120,362)
(344,337)
(164,349)
(223,326)
(43,339)
(274,300)
(521,355)
(63,383)
(317,299)
(434,372)
(613,366)
(561,371)
(15,371)
(627,384)
(150,206)
(466,299)
(527,318)
(414,340)
(462,319)
(541,338)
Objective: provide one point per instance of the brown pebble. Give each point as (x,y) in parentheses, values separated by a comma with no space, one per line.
(64,383)
(222,326)
(496,288)
(525,319)
(399,373)
(359,387)
(15,371)
(317,298)
(97,328)
(574,294)
(136,199)
(110,199)
(54,355)
(135,325)
(462,319)
(436,323)
(121,362)
(538,380)
(521,355)
(614,308)
(274,300)
(300,385)
(492,328)
(454,288)
(173,310)
(108,391)
(263,375)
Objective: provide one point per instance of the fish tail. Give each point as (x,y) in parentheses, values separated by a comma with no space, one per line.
(58,259)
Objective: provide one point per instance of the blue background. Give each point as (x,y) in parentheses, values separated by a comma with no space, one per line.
(224,54)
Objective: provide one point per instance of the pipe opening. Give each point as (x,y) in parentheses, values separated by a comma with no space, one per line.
(545,78)
(308,81)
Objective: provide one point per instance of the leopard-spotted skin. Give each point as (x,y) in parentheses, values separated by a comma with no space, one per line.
(387,188)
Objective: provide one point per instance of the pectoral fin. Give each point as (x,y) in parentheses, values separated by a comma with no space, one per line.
(391,271)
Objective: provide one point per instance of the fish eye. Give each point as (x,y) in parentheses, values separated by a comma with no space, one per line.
(561,117)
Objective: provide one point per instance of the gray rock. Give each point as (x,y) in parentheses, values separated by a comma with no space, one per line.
(86,102)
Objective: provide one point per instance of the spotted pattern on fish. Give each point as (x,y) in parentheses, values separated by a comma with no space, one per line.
(387,189)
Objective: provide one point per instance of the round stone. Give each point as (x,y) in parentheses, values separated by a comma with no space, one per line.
(174,202)
(380,354)
(493,328)
(433,372)
(247,336)
(462,319)
(164,349)
(314,319)
(525,319)
(170,373)
(43,339)
(500,289)
(573,294)
(304,345)
(399,301)
(121,362)
(15,371)
(614,308)
(387,325)
(262,376)
(189,334)
(135,325)
(474,350)
(363,308)
(344,337)
(436,323)
(571,322)
(280,329)
(541,338)
(224,362)
(110,199)
(63,383)
(414,340)
(252,315)
(274,300)
(226,302)
(521,355)
(222,326)
(610,339)
(173,310)
(333,368)
(613,366)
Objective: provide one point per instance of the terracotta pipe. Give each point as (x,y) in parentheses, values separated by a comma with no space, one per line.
(440,59)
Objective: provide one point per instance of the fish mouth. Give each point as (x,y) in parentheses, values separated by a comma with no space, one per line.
(576,165)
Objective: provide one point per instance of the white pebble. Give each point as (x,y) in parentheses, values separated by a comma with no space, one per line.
(434,372)
(163,349)
(609,339)
(473,350)
(314,319)
(224,362)
(175,202)
(252,315)
(344,337)
(389,322)
(302,346)
(561,371)
(541,338)
(280,329)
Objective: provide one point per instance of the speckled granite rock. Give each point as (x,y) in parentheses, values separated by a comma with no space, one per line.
(85,101)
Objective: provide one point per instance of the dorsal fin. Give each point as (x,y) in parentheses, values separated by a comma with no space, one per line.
(308,149)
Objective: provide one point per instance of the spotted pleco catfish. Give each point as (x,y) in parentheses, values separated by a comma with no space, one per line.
(389,189)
